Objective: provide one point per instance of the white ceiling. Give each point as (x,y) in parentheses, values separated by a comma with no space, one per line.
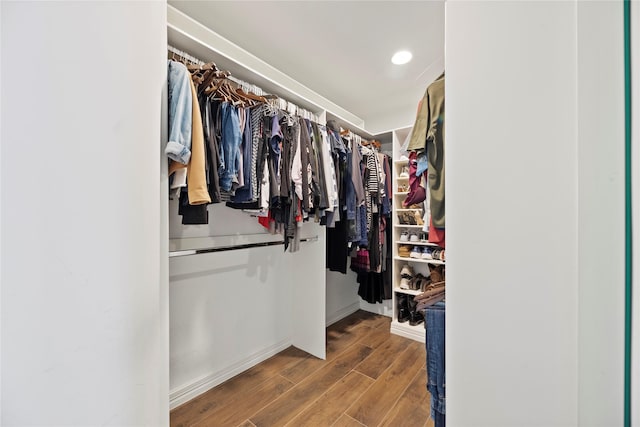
(340,49)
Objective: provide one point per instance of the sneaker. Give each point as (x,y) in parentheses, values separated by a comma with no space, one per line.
(404,237)
(406,272)
(404,283)
(416,252)
(413,238)
(427,253)
(424,237)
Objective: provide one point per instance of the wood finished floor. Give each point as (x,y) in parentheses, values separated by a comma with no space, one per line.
(370,378)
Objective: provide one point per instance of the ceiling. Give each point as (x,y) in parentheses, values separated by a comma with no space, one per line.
(340,49)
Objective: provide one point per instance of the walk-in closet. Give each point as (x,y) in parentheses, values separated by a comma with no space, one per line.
(326,248)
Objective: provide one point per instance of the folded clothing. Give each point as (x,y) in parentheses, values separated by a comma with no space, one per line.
(404,251)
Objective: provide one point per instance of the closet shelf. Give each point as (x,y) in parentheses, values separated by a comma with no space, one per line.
(418,243)
(408,209)
(401,162)
(407,226)
(406,291)
(401,178)
(401,193)
(423,261)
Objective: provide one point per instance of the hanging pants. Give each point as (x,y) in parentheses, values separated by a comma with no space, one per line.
(435,345)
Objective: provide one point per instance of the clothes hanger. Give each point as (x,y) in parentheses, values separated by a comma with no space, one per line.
(210,77)
(255,99)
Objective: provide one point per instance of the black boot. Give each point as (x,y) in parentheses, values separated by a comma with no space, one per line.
(415,316)
(403,307)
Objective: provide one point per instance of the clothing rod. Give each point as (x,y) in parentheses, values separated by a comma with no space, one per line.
(249,87)
(188,252)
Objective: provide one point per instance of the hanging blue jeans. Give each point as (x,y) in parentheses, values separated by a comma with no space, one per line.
(231,139)
(435,345)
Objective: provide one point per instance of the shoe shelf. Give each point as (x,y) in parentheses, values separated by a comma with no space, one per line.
(424,261)
(400,175)
(407,291)
(417,243)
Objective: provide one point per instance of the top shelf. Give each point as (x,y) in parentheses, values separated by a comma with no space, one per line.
(401,162)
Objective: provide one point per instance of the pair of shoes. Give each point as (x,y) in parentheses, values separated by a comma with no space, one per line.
(406,275)
(404,237)
(406,271)
(405,172)
(403,188)
(417,282)
(413,238)
(424,237)
(438,254)
(407,310)
(420,252)
(407,218)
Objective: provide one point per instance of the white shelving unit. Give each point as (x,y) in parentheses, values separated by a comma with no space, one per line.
(418,265)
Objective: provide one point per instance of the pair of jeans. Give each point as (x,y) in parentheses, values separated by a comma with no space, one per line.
(350,192)
(180,113)
(435,345)
(244,194)
(231,139)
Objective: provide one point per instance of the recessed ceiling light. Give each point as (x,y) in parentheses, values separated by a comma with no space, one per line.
(401,57)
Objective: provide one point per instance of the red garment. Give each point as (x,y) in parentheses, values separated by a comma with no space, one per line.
(436,235)
(417,193)
(266,221)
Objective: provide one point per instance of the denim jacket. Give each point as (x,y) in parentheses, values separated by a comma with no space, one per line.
(180,113)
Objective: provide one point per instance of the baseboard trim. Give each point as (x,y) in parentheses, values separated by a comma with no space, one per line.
(416,334)
(384,308)
(185,393)
(342,313)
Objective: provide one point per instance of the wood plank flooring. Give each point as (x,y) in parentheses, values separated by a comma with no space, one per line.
(370,378)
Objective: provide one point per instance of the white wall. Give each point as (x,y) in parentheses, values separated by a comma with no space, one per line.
(230,310)
(342,295)
(82,308)
(600,213)
(533,185)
